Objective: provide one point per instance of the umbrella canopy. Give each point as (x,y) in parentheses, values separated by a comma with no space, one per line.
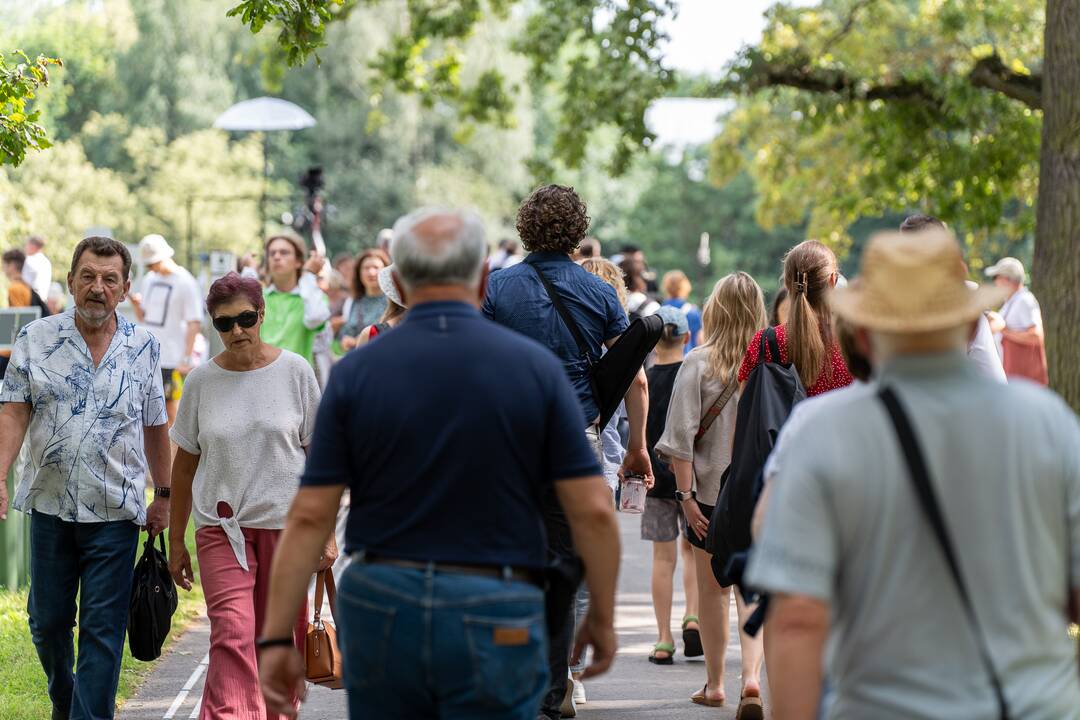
(264,114)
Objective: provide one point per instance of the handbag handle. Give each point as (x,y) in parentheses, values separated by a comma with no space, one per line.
(324,580)
(920,479)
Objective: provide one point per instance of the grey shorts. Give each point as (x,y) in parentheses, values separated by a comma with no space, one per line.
(662,520)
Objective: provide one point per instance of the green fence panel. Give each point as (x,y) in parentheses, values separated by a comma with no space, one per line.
(14,545)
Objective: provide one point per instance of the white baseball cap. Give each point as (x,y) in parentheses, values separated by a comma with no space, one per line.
(1009,267)
(153,249)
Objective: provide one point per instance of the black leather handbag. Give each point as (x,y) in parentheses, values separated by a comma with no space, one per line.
(153,602)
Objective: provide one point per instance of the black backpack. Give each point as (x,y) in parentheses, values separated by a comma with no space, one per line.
(153,602)
(771,392)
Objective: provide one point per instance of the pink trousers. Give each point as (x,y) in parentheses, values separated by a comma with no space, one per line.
(236,605)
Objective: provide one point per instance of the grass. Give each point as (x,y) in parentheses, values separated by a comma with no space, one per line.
(23,694)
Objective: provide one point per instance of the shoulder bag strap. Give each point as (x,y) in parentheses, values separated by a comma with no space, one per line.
(567,318)
(331,592)
(920,479)
(768,339)
(320,584)
(715,409)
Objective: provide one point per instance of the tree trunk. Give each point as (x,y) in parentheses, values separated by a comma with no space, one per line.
(1056,272)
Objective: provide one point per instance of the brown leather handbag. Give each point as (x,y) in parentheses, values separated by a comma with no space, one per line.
(322,659)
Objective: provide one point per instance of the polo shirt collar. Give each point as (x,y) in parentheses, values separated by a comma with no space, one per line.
(548,256)
(451,308)
(911,367)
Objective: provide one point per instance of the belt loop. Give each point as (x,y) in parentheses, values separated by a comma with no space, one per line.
(507,573)
(360,556)
(430,570)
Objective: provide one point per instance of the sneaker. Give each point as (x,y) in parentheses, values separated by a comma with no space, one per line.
(579,693)
(568,708)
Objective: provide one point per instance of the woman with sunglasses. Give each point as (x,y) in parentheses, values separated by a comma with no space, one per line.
(242,431)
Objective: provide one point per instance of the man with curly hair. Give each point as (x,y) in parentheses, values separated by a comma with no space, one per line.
(552,222)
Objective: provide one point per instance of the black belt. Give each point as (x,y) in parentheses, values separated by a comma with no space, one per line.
(505,572)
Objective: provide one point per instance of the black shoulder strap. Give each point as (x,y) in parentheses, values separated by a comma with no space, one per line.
(920,479)
(768,339)
(567,318)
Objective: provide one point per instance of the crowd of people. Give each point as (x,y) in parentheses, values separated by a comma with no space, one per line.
(423,419)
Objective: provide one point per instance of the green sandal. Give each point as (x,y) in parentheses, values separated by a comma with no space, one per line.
(691,637)
(664,647)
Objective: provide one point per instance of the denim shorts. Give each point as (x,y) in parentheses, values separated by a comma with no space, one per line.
(662,520)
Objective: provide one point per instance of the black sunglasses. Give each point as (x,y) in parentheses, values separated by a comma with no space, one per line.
(224,323)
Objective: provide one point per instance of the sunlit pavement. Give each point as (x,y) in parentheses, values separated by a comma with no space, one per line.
(633,689)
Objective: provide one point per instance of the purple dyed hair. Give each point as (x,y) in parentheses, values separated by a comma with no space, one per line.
(231,287)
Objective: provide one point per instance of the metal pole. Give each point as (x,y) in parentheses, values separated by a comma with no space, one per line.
(266,183)
(190,232)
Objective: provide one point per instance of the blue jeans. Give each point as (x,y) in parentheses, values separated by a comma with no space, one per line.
(95,560)
(425,644)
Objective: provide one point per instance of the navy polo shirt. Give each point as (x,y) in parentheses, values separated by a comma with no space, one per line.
(447,431)
(517,299)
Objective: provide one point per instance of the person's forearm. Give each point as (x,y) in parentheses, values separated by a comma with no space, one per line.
(637,411)
(1032,336)
(684,474)
(307,527)
(158,454)
(796,643)
(193,328)
(183,475)
(14,419)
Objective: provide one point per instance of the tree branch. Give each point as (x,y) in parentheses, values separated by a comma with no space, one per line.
(989,73)
(992,74)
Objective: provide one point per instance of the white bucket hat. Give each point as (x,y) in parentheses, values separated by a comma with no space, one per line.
(153,249)
(386,284)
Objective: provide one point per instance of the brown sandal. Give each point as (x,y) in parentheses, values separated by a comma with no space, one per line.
(750,708)
(700,698)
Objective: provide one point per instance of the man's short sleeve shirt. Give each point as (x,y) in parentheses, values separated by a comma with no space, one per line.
(516,299)
(86,461)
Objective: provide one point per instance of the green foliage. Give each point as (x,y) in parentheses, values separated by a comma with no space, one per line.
(858,108)
(20,80)
(302,23)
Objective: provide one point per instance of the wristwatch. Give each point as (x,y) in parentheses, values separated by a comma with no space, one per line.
(682,495)
(162,491)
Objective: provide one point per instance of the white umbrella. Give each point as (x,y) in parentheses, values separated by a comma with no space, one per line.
(264,114)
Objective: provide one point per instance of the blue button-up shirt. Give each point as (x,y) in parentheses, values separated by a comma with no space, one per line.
(517,299)
(86,461)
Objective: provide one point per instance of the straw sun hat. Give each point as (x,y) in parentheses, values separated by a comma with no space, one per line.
(910,283)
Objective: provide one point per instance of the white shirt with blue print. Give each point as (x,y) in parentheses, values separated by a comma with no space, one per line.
(86,461)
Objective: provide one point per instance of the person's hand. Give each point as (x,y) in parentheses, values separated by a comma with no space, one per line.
(997,323)
(636,462)
(157,516)
(315,263)
(135,299)
(600,635)
(330,555)
(348,342)
(3,499)
(180,565)
(695,520)
(281,674)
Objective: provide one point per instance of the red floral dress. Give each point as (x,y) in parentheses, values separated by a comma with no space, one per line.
(826,381)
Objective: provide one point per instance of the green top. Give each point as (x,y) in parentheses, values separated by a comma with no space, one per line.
(289,315)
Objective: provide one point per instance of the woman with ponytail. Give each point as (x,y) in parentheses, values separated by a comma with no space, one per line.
(806,340)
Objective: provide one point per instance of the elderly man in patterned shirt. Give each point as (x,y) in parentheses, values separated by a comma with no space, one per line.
(84,389)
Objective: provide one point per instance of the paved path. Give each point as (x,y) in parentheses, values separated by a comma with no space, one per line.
(633,689)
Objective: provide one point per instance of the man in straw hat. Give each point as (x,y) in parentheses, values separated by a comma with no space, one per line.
(847,549)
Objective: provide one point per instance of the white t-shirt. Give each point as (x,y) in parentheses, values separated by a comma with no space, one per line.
(169,303)
(1020,312)
(37,272)
(249,430)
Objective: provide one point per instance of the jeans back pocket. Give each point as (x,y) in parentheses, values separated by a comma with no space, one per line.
(509,658)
